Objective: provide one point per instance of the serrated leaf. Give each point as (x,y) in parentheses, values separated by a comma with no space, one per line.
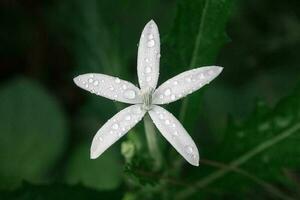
(264,146)
(33,132)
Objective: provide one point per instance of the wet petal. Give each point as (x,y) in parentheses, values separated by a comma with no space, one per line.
(109,87)
(184,84)
(115,128)
(175,133)
(149,56)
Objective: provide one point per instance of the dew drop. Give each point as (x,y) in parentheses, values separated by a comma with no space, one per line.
(117,80)
(115,96)
(148,78)
(167,92)
(161,96)
(129,94)
(175,82)
(173,125)
(151,43)
(96,83)
(173,97)
(91,75)
(201,76)
(161,116)
(115,126)
(147,60)
(150,36)
(111,88)
(90,80)
(128,118)
(86,85)
(158,55)
(148,70)
(167,122)
(175,133)
(189,149)
(124,87)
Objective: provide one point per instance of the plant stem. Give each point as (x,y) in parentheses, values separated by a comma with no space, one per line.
(236,163)
(152,142)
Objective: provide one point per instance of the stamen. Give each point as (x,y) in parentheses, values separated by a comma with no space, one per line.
(147,98)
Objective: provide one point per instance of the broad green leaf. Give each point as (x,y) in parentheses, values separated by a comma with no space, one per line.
(102,173)
(58,192)
(197,35)
(33,132)
(265,146)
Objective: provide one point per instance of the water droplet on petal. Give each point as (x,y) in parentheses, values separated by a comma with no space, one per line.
(150,36)
(117,80)
(129,94)
(201,76)
(158,55)
(115,126)
(161,96)
(124,87)
(86,85)
(167,92)
(96,83)
(128,117)
(173,125)
(147,60)
(161,116)
(148,78)
(175,133)
(175,83)
(167,122)
(111,88)
(90,80)
(173,97)
(189,149)
(151,43)
(148,70)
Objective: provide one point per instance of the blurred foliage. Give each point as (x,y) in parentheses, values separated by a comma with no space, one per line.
(245,123)
(33,133)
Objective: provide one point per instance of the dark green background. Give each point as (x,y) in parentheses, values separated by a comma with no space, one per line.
(246,123)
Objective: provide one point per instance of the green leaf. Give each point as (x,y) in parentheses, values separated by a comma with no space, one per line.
(33,132)
(104,172)
(197,35)
(264,146)
(58,192)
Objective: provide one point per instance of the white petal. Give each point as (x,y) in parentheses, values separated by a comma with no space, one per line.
(149,56)
(184,84)
(115,128)
(109,87)
(174,132)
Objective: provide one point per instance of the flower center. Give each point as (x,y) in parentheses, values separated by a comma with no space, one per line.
(147,98)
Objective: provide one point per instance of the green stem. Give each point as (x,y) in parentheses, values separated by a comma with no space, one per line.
(236,163)
(152,142)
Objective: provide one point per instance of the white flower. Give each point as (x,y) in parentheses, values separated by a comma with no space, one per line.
(147,98)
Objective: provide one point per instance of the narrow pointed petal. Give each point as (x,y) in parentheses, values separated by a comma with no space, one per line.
(184,84)
(115,128)
(149,56)
(109,87)
(175,133)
